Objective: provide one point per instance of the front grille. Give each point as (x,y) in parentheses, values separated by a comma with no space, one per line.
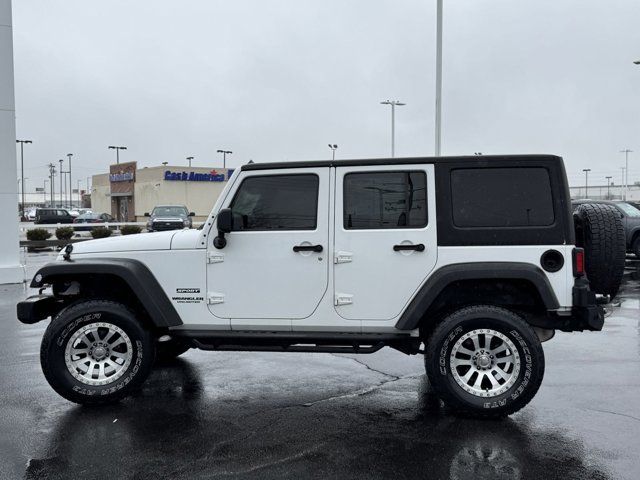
(157,226)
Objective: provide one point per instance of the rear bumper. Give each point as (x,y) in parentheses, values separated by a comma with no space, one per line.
(586,314)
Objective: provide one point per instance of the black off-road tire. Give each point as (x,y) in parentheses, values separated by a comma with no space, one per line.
(600,231)
(169,350)
(521,387)
(73,319)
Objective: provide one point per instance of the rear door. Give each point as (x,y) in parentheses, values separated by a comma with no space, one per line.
(385,238)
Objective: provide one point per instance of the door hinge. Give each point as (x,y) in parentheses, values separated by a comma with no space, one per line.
(215,297)
(215,257)
(343,299)
(343,257)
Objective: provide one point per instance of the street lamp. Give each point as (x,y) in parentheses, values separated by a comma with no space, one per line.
(69,155)
(44,192)
(626,170)
(333,148)
(393,104)
(224,157)
(438,129)
(608,187)
(586,182)
(117,149)
(61,175)
(189,158)
(22,142)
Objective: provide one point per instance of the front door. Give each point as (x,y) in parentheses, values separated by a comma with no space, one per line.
(275,262)
(385,238)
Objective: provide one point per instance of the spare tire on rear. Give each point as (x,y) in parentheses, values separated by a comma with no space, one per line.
(600,231)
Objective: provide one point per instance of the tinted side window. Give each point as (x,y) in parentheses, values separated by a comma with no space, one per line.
(385,200)
(501,197)
(276,202)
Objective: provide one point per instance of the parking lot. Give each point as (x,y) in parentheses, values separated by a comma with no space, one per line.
(255,415)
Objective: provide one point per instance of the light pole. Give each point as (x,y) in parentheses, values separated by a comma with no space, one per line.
(626,171)
(438,78)
(61,175)
(52,173)
(44,192)
(393,104)
(333,148)
(117,149)
(608,187)
(224,157)
(69,155)
(22,142)
(586,182)
(189,158)
(621,182)
(79,199)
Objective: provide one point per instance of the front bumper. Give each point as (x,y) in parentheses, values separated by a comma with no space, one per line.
(37,308)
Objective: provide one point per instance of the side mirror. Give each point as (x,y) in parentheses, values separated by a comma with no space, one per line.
(192,214)
(224,223)
(146,214)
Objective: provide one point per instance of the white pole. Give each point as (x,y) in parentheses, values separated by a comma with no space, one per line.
(438,139)
(393,130)
(10,269)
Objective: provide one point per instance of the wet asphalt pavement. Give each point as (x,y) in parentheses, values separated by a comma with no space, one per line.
(301,415)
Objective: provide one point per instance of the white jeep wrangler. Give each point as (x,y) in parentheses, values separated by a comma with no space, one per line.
(469,260)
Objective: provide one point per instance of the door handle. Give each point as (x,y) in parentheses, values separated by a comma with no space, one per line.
(307,248)
(418,247)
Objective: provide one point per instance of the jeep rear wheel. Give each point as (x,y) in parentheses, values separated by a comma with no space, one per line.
(96,352)
(484,361)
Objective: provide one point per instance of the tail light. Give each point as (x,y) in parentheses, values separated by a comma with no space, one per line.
(578,262)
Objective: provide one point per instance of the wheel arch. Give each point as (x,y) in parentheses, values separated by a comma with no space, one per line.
(128,278)
(458,285)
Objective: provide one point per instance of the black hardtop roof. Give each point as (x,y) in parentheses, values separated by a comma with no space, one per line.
(477,160)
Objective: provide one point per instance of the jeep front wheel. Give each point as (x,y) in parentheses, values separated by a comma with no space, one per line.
(96,352)
(484,361)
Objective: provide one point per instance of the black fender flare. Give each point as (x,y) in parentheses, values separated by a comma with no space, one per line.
(134,273)
(445,276)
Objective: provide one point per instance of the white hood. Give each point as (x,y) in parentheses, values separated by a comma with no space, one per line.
(127,243)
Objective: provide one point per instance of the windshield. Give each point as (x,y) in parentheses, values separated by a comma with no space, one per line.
(169,212)
(628,210)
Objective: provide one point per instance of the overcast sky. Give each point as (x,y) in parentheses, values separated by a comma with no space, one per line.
(278,80)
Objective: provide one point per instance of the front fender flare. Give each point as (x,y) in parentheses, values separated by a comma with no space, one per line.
(134,273)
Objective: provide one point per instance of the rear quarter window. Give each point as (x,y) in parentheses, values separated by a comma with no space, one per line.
(501,197)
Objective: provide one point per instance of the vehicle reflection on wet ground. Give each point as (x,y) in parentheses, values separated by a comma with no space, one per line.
(267,415)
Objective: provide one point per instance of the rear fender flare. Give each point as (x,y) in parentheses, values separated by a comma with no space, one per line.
(441,278)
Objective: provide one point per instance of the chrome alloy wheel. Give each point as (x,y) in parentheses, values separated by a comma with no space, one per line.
(98,353)
(484,362)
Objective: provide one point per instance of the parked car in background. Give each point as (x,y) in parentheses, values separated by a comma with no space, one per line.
(82,211)
(169,217)
(31,214)
(630,219)
(52,215)
(89,218)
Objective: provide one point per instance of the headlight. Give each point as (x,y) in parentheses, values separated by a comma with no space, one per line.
(149,224)
(186,222)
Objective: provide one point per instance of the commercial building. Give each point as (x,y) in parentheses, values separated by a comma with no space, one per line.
(127,192)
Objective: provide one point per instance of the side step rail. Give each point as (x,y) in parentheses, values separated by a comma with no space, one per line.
(227,340)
